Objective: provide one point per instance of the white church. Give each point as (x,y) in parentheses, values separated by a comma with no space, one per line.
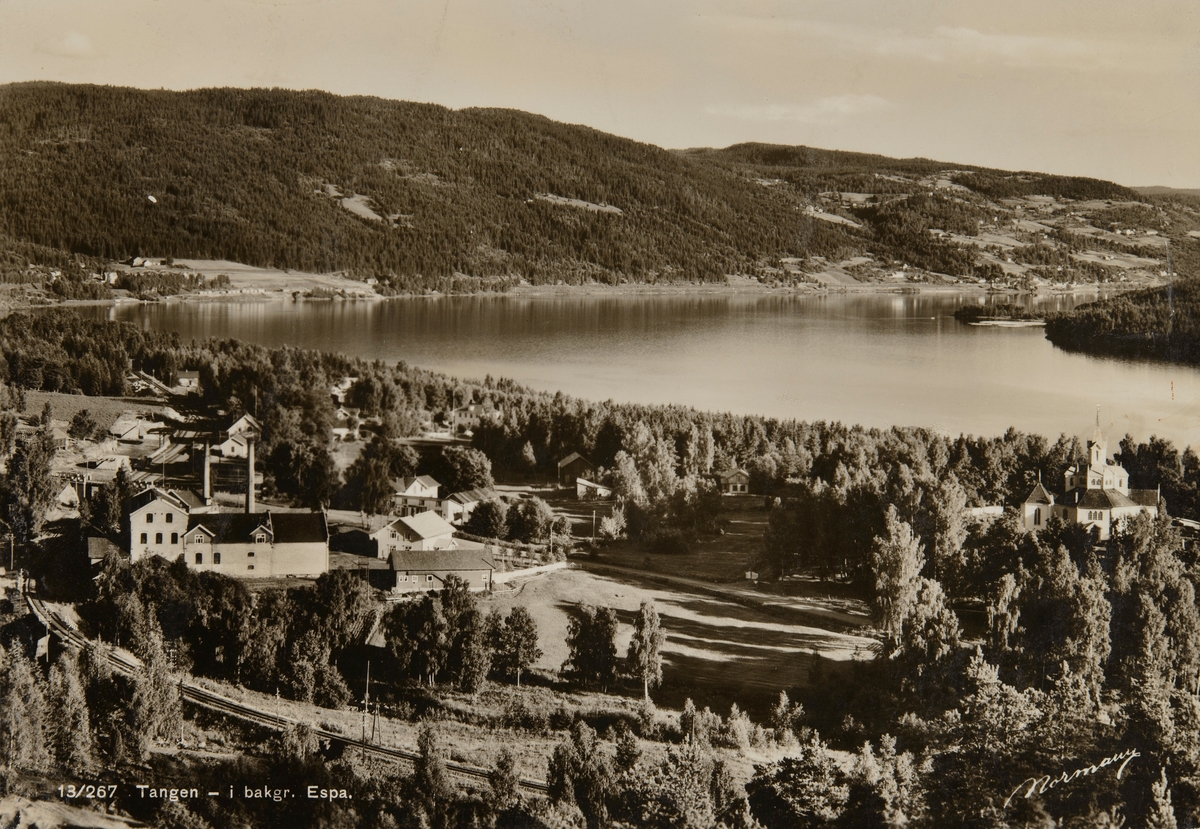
(1096,494)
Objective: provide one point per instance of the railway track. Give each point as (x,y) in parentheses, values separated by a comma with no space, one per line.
(212,701)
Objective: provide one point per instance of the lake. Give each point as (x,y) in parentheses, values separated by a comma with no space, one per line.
(875,359)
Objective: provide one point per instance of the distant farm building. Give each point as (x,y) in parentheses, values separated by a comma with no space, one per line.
(427,570)
(187,382)
(733,482)
(574,466)
(459,506)
(466,418)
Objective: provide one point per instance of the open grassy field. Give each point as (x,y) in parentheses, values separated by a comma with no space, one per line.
(716,558)
(717,651)
(105,410)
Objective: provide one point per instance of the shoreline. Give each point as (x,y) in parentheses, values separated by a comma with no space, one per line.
(609,291)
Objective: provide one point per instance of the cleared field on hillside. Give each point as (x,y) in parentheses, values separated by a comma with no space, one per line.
(717,558)
(105,410)
(716,651)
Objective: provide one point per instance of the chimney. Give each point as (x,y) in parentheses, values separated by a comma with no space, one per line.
(250,474)
(207,476)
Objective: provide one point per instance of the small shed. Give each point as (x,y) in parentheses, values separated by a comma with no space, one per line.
(586,490)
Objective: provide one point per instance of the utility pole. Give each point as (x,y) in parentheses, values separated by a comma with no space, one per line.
(366,704)
(593,526)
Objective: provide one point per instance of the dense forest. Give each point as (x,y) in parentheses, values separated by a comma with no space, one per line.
(1161,323)
(422,197)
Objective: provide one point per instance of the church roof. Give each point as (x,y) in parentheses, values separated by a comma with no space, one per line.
(1099,499)
(1039,495)
(1144,497)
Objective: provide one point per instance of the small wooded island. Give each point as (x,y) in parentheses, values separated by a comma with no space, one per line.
(1003,314)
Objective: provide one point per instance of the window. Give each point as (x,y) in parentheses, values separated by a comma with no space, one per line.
(429,578)
(174,538)
(199,539)
(260,539)
(249,566)
(170,518)
(216,558)
(199,558)
(1037,516)
(158,538)
(149,518)
(250,554)
(144,538)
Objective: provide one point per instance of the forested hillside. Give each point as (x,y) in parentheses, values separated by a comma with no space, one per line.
(415,194)
(1162,323)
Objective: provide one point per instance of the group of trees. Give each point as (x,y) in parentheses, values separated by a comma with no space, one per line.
(77,716)
(280,638)
(592,659)
(445,636)
(1086,653)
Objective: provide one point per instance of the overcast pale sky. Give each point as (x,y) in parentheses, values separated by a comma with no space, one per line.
(1087,87)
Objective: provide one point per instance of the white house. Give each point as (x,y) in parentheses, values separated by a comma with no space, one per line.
(414,495)
(466,418)
(733,481)
(187,381)
(423,531)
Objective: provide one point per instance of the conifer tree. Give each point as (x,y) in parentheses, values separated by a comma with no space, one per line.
(71,728)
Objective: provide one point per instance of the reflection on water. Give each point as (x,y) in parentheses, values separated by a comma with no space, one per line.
(874,359)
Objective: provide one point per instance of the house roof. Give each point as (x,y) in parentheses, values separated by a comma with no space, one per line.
(584,482)
(190,499)
(231,527)
(426,524)
(1039,495)
(733,473)
(284,527)
(571,458)
(189,375)
(149,496)
(403,484)
(99,547)
(473,496)
(423,560)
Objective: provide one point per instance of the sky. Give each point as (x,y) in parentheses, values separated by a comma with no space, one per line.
(1080,87)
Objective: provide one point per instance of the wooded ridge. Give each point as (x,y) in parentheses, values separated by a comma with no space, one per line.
(422,197)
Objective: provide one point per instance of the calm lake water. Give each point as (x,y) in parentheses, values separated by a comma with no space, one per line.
(879,360)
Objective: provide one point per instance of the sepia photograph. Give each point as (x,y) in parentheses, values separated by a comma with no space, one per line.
(532,414)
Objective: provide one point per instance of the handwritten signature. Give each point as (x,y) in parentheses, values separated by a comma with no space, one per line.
(1039,785)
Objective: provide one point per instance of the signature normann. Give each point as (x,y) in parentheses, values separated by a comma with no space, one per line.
(1039,785)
